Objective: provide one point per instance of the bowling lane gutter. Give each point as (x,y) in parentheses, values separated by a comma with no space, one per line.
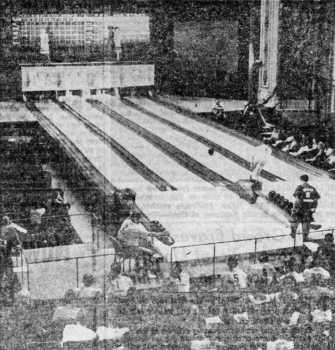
(130,159)
(298,163)
(89,170)
(218,148)
(170,150)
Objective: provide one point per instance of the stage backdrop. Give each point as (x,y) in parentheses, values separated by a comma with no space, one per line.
(58,77)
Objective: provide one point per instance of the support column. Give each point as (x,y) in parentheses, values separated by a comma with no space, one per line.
(332,93)
(269,50)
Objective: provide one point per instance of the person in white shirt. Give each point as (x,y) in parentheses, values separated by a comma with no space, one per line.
(287,142)
(260,157)
(331,159)
(235,274)
(118,284)
(292,143)
(181,277)
(133,233)
(271,136)
(311,146)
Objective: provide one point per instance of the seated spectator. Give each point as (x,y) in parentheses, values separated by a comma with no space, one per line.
(290,143)
(329,150)
(118,284)
(89,289)
(133,234)
(235,275)
(263,269)
(326,254)
(271,137)
(10,230)
(36,216)
(59,199)
(182,278)
(132,231)
(306,151)
(330,161)
(323,313)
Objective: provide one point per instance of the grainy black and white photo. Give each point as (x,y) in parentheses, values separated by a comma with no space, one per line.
(167,174)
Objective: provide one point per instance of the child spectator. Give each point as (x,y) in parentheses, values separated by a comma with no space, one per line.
(118,284)
(89,290)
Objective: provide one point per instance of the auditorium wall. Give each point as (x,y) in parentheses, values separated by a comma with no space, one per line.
(206,56)
(201,49)
(305,53)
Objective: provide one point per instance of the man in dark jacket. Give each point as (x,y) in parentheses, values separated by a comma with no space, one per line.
(307,198)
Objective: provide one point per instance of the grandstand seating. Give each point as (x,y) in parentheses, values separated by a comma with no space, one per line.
(160,318)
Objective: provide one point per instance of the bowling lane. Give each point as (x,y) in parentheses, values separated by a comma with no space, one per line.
(196,150)
(326,186)
(156,160)
(239,146)
(187,144)
(98,153)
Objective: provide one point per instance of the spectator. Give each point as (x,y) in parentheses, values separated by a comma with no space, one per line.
(118,284)
(271,137)
(289,144)
(323,313)
(133,234)
(264,270)
(36,216)
(235,275)
(306,151)
(326,254)
(182,278)
(320,157)
(89,289)
(330,161)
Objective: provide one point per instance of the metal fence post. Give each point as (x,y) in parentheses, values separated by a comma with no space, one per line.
(255,250)
(214,258)
(28,283)
(92,228)
(22,274)
(77,272)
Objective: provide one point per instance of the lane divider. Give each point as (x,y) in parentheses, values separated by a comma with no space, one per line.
(178,155)
(173,152)
(298,163)
(211,144)
(123,153)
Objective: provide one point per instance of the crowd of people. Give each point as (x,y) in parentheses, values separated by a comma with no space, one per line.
(314,145)
(313,149)
(285,300)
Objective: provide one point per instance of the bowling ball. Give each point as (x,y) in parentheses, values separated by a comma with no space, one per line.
(276,198)
(271,195)
(211,151)
(281,201)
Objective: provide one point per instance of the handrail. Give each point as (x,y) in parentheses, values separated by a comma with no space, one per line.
(230,241)
(215,244)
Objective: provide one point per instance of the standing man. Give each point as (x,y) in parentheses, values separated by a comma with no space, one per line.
(306,202)
(251,189)
(260,157)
